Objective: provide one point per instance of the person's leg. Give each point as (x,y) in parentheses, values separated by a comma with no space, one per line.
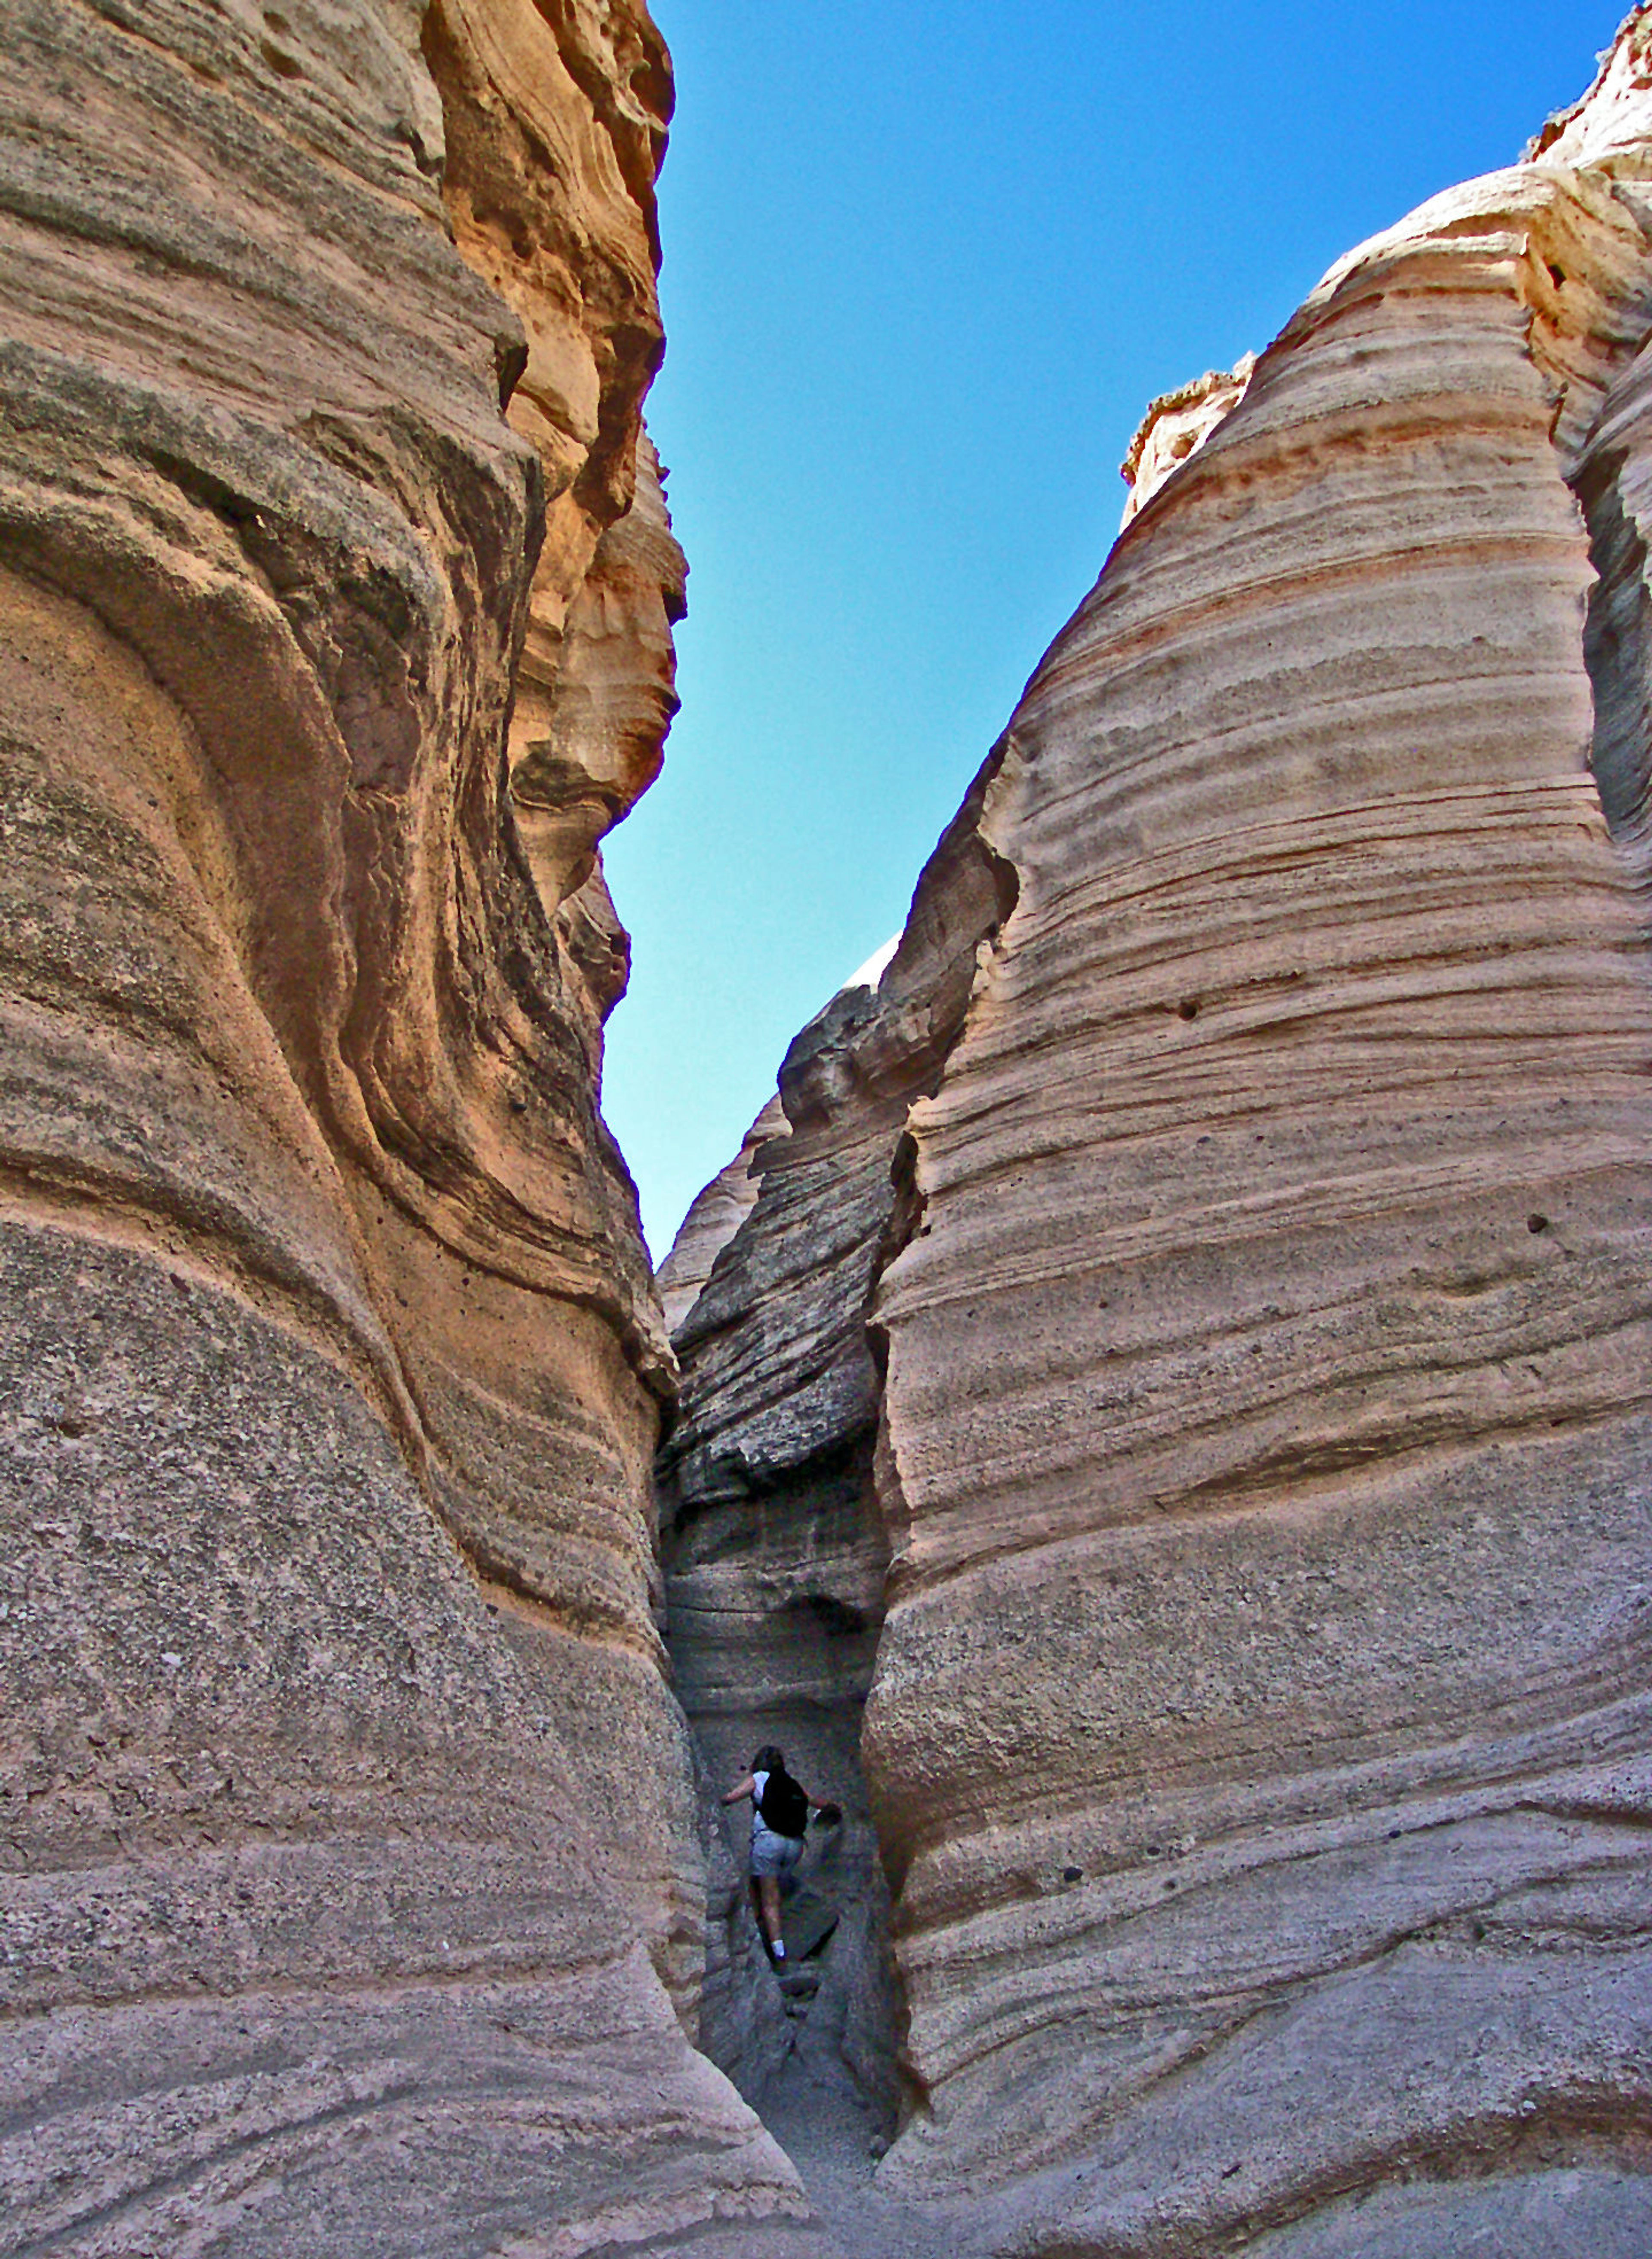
(770,1914)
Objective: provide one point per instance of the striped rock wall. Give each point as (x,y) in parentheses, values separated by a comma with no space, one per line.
(349,1888)
(1262,1734)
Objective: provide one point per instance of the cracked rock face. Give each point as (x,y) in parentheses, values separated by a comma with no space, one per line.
(349,1873)
(1258,1744)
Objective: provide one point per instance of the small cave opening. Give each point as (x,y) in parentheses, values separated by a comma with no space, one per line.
(832,1617)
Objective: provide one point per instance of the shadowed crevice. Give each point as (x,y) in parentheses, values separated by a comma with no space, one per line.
(1617,647)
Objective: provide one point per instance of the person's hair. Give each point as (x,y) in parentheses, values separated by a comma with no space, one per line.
(769,1759)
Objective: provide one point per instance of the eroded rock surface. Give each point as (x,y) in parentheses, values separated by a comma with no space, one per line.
(1259,1741)
(348,1865)
(715,1215)
(1260,1736)
(1177,425)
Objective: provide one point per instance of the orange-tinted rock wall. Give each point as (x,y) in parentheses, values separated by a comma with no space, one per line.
(347,1830)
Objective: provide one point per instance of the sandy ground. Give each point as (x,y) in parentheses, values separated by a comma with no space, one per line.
(827,2137)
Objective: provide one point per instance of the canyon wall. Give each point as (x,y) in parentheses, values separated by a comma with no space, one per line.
(349,1883)
(1259,1744)
(715,1215)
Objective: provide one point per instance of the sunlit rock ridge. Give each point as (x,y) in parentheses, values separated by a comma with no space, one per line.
(350,1894)
(1247,1280)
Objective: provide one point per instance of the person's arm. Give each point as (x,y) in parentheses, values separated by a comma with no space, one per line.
(741,1790)
(828,1810)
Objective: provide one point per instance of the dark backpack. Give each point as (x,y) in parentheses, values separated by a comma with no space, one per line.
(783,1807)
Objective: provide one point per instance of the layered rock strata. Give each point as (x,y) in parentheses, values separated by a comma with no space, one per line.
(715,1215)
(1177,425)
(1259,1742)
(348,1828)
(773,1545)
(1261,1727)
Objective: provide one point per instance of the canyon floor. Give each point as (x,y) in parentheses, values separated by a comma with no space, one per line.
(829,2136)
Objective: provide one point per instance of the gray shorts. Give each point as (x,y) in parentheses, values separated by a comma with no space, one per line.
(773,1854)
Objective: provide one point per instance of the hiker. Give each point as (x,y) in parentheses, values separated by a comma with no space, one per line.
(780,1807)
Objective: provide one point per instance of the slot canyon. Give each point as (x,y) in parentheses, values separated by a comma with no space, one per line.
(1156,1419)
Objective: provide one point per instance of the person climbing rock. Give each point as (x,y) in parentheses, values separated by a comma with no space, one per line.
(780,1807)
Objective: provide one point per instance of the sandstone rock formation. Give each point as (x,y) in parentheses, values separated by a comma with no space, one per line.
(715,1216)
(349,1873)
(1177,425)
(774,1549)
(1260,1727)
(1259,1744)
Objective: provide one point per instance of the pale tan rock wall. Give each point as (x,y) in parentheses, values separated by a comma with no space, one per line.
(1260,1736)
(346,1830)
(1177,425)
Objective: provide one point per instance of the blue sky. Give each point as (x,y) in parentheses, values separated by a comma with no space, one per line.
(925,266)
